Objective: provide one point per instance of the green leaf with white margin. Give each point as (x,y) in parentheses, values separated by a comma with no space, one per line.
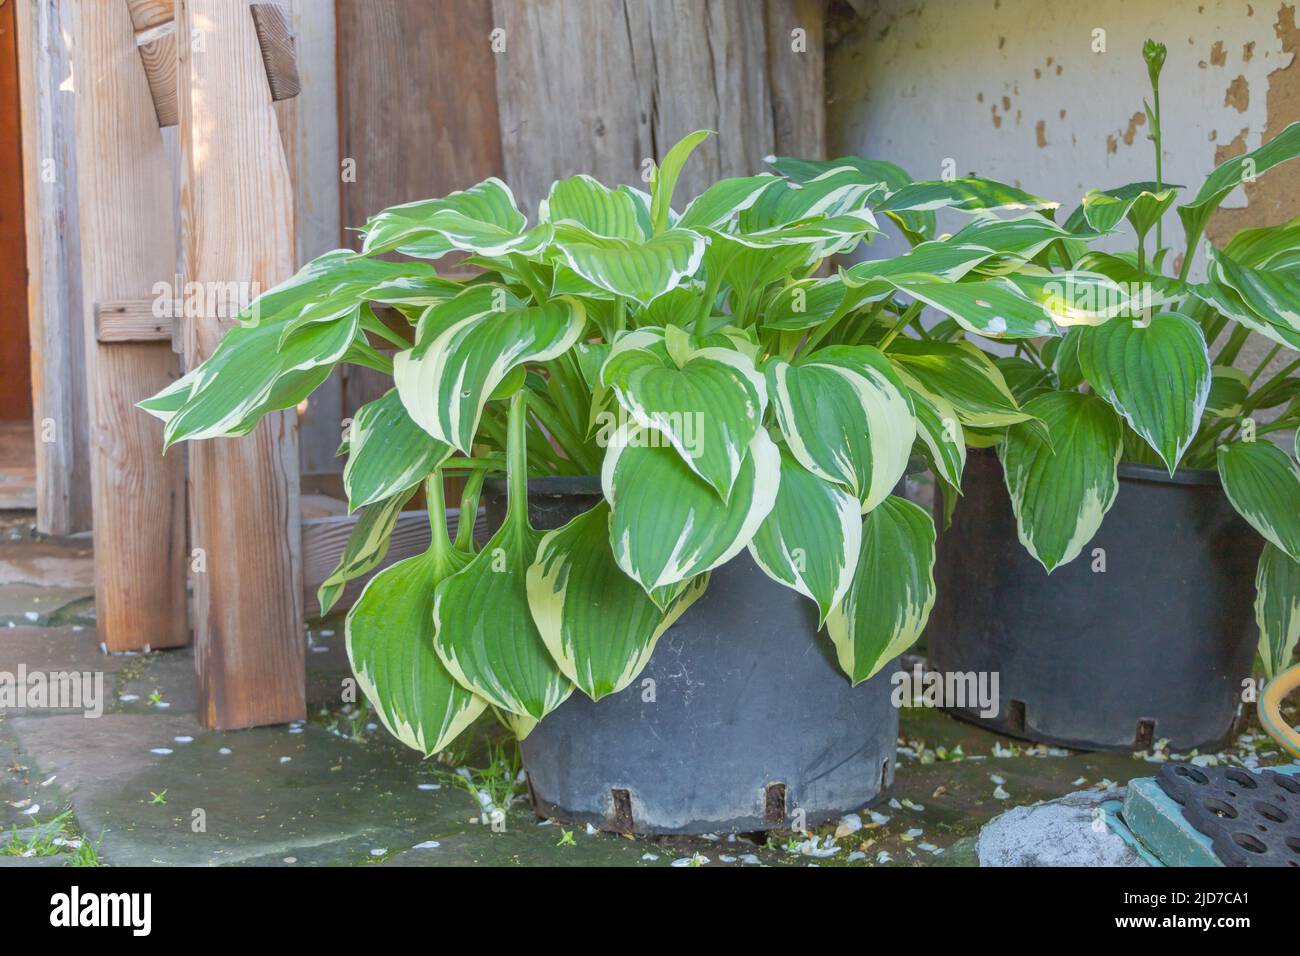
(1229,388)
(1142,204)
(1230,174)
(667,524)
(389,634)
(328,287)
(1263,484)
(892,591)
(809,541)
(641,271)
(945,260)
(846,417)
(1272,295)
(1223,298)
(804,304)
(836,192)
(707,402)
(466,347)
(250,374)
(1268,247)
(665,178)
(962,374)
(1277,609)
(387,451)
(918,226)
(939,427)
(724,200)
(601,211)
(417,228)
(994,308)
(1060,491)
(1024,236)
(1079,297)
(967,194)
(365,548)
(598,625)
(1155,374)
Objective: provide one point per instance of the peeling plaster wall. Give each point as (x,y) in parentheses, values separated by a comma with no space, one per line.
(1012,90)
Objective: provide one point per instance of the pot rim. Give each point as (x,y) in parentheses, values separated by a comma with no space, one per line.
(1158,474)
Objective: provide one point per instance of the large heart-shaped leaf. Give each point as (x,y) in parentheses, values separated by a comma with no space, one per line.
(601,211)
(809,541)
(1142,204)
(387,451)
(1277,608)
(846,417)
(483,218)
(1155,374)
(708,402)
(1024,236)
(1272,295)
(598,625)
(888,602)
(641,271)
(390,644)
(667,524)
(962,374)
(1061,489)
(466,348)
(994,308)
(1263,484)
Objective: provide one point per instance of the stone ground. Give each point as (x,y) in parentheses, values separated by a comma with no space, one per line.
(144,785)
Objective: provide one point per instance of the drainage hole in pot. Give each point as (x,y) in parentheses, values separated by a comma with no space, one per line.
(1293,844)
(622,820)
(1016,716)
(1145,737)
(1191,773)
(1220,809)
(1241,778)
(774,805)
(1248,842)
(884,775)
(1270,812)
(1286,783)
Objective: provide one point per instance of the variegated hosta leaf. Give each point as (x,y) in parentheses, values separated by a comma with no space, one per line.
(485,634)
(947,260)
(994,308)
(1229,388)
(329,286)
(387,451)
(390,644)
(1142,204)
(1230,174)
(1277,609)
(665,178)
(708,402)
(917,225)
(809,541)
(1061,491)
(588,203)
(939,427)
(804,304)
(1024,236)
(892,592)
(724,200)
(640,271)
(736,261)
(1268,247)
(1079,297)
(249,374)
(846,417)
(1272,295)
(365,548)
(962,374)
(836,192)
(1155,374)
(598,625)
(483,218)
(1263,484)
(447,378)
(965,194)
(667,524)
(1224,299)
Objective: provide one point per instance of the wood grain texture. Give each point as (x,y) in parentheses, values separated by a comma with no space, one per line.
(131,320)
(417,115)
(276,42)
(157,46)
(55,321)
(127,244)
(237,226)
(602,87)
(15,353)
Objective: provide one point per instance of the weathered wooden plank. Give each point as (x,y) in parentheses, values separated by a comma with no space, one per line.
(323,540)
(602,88)
(392,54)
(127,244)
(275,40)
(15,352)
(55,321)
(157,46)
(131,320)
(237,226)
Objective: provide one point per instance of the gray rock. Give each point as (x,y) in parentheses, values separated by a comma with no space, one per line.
(1067,831)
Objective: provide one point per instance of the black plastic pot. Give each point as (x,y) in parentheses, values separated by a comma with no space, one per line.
(751,725)
(1155,647)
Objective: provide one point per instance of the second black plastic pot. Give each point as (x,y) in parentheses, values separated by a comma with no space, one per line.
(1156,645)
(741,721)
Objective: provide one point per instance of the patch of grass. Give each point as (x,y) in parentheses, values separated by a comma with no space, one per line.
(57,837)
(498,783)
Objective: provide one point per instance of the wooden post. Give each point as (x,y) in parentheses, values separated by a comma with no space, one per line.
(127,245)
(54,305)
(237,226)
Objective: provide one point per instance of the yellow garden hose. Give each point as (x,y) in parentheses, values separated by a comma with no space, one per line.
(1270,710)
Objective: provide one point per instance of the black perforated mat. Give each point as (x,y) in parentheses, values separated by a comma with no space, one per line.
(1252,819)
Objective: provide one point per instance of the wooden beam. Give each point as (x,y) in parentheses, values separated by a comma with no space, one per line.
(131,320)
(237,226)
(60,417)
(127,244)
(275,40)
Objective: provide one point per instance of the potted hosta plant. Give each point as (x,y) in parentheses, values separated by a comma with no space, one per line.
(666,412)
(1138,481)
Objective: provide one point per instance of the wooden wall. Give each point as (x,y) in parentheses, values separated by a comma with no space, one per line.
(15,367)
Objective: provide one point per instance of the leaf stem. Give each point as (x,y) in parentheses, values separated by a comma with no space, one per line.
(436,502)
(517,457)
